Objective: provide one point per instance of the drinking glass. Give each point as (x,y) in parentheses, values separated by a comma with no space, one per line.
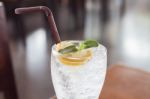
(84,81)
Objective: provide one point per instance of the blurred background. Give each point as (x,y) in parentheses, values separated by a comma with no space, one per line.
(123,26)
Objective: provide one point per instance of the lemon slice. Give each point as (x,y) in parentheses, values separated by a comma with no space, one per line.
(75,59)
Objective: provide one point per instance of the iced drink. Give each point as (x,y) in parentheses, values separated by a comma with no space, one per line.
(78,74)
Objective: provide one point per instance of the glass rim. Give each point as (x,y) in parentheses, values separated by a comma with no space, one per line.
(55,52)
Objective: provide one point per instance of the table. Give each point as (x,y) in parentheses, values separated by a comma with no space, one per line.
(123,82)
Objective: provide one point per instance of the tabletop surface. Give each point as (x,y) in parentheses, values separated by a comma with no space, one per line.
(126,83)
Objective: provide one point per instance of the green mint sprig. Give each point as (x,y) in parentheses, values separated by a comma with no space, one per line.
(88,44)
(84,45)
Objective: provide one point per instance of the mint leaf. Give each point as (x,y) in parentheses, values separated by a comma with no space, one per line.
(82,46)
(88,44)
(69,49)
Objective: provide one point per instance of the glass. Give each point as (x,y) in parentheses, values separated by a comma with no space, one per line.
(79,82)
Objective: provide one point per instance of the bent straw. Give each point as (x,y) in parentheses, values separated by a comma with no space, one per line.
(48,12)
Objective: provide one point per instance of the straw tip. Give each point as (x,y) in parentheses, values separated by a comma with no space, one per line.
(17,11)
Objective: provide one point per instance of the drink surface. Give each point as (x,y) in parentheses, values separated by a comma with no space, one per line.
(79,81)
